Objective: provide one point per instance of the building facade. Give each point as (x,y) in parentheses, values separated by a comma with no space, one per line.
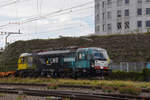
(122,16)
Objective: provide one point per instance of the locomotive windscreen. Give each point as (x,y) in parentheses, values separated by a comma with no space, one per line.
(98,55)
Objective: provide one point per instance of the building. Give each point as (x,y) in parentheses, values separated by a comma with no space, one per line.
(122,16)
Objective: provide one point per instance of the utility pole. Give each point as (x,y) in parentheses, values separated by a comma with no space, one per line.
(6,43)
(7,35)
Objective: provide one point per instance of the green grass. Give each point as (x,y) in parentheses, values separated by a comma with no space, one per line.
(2,95)
(112,83)
(123,87)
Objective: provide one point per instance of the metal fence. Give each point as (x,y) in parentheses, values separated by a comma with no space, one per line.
(128,66)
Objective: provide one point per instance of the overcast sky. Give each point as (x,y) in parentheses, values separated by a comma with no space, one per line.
(56,18)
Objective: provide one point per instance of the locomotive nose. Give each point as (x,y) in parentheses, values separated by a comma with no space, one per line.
(101,64)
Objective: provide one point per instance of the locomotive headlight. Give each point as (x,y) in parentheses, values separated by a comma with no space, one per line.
(92,65)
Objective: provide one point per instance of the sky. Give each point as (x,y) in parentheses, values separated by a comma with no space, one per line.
(44,19)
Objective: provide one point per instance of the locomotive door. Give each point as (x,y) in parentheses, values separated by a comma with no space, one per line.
(82,61)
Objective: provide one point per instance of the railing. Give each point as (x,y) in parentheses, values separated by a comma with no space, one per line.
(128,66)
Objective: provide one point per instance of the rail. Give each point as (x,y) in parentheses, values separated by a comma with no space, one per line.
(69,94)
(63,86)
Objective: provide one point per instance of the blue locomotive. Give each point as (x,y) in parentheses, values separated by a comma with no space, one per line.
(91,61)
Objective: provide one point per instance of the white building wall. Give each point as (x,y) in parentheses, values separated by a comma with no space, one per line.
(102,21)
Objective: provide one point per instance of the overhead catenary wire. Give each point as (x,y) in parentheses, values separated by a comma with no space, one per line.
(66,27)
(11,2)
(52,13)
(41,17)
(58,13)
(80,12)
(74,18)
(8,3)
(49,14)
(69,12)
(54,31)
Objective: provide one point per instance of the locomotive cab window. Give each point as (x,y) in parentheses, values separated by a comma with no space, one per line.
(42,60)
(22,60)
(98,55)
(81,56)
(30,60)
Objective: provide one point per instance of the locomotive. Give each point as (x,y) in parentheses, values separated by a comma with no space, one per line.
(91,61)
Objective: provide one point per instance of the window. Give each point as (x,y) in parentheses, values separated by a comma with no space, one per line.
(127,12)
(103,16)
(119,13)
(30,59)
(139,24)
(139,1)
(119,25)
(22,60)
(104,27)
(109,27)
(139,11)
(148,23)
(119,2)
(126,1)
(42,61)
(147,0)
(98,55)
(103,4)
(108,15)
(97,17)
(109,2)
(97,28)
(127,25)
(81,56)
(97,6)
(148,11)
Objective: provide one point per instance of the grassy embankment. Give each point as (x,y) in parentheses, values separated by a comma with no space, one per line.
(75,82)
(129,47)
(127,87)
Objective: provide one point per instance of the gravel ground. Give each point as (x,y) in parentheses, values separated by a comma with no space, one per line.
(21,97)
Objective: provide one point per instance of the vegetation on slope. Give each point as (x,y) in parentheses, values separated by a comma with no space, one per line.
(130,47)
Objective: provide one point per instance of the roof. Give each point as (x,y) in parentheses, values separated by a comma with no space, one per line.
(25,54)
(54,52)
(92,48)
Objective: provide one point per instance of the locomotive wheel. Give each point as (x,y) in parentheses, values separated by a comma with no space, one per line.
(22,74)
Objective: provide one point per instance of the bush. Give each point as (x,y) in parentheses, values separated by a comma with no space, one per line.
(120,75)
(108,89)
(146,74)
(52,86)
(133,76)
(130,90)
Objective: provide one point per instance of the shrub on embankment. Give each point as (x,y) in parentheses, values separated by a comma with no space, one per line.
(133,76)
(129,47)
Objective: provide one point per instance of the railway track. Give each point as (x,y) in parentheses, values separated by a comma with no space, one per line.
(73,95)
(61,86)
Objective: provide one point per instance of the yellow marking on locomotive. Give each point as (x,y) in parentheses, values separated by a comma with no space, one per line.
(22,63)
(108,60)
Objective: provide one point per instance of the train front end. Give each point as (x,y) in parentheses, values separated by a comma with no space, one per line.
(100,62)
(93,61)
